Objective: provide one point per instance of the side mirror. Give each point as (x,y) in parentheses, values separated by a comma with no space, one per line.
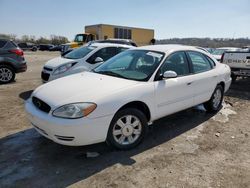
(170,74)
(98,60)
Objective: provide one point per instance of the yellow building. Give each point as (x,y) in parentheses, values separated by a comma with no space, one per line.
(140,36)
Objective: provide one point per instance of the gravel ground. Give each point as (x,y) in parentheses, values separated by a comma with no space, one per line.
(187,149)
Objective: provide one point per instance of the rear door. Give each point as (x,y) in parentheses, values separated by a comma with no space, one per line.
(204,76)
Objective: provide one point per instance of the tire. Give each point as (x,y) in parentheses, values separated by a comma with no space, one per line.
(7,74)
(234,77)
(215,102)
(34,49)
(125,136)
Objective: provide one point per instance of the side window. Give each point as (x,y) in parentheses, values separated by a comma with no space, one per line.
(2,43)
(211,61)
(176,62)
(200,62)
(104,53)
(10,45)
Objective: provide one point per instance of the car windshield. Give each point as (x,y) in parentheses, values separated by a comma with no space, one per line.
(80,38)
(79,52)
(132,64)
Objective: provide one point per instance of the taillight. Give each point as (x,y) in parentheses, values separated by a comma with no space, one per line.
(222,58)
(17,52)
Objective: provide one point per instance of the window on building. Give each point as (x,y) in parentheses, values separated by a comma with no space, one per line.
(122,33)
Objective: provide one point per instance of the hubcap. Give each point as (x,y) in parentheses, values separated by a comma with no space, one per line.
(127,130)
(217,98)
(5,74)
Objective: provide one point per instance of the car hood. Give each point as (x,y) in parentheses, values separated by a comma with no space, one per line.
(53,63)
(82,87)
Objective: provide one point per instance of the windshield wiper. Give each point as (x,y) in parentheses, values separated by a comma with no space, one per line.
(110,73)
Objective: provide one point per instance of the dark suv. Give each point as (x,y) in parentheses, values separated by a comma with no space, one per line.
(11,61)
(27,46)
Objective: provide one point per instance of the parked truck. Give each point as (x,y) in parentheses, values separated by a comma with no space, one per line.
(140,36)
(239,62)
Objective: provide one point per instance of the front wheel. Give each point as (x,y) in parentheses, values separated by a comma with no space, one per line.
(127,129)
(214,104)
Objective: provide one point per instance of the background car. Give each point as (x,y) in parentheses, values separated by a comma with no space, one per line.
(81,59)
(117,101)
(116,41)
(45,47)
(27,46)
(56,48)
(11,61)
(217,53)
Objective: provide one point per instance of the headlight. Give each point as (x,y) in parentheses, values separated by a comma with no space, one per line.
(73,111)
(63,68)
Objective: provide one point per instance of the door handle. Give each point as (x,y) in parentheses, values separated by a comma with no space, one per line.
(189,83)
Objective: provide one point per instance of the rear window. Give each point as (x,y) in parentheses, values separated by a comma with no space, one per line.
(10,44)
(2,43)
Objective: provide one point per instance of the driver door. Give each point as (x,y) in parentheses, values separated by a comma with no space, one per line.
(174,94)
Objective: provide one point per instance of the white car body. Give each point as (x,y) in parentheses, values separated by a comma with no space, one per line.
(80,65)
(110,93)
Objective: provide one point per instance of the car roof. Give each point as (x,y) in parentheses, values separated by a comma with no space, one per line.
(109,44)
(166,48)
(228,48)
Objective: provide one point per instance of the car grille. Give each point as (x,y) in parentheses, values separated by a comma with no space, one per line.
(65,138)
(45,76)
(41,105)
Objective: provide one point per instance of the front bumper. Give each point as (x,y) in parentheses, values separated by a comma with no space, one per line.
(71,132)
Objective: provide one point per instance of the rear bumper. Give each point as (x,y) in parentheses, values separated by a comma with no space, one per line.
(241,71)
(21,68)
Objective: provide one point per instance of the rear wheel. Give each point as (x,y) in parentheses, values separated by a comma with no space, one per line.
(214,104)
(127,129)
(7,74)
(234,77)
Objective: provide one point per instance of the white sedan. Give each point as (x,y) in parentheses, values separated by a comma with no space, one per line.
(81,59)
(120,98)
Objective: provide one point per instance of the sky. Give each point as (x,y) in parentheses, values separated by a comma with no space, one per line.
(169,18)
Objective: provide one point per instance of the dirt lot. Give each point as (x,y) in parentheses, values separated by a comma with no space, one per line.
(188,149)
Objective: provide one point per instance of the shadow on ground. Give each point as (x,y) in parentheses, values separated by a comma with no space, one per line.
(26,158)
(25,95)
(240,89)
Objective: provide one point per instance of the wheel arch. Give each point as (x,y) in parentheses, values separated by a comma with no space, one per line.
(8,64)
(222,83)
(143,107)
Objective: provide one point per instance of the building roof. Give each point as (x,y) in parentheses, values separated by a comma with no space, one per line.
(119,26)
